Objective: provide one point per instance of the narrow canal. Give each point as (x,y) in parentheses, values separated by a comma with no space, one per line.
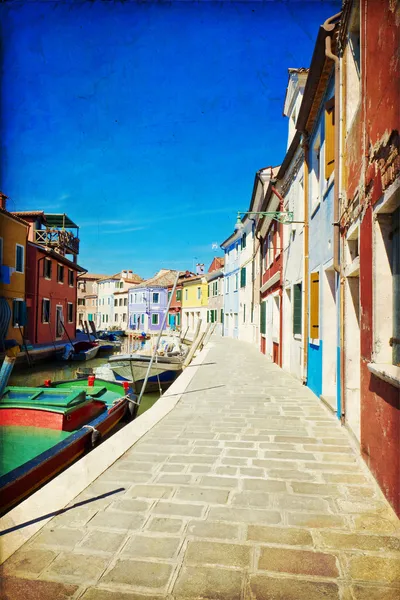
(62,371)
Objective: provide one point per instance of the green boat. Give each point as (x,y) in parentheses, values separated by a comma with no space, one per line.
(43,430)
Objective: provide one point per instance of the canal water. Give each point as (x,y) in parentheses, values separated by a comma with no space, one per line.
(23,375)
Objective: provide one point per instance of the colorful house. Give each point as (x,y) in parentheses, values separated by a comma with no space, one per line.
(51,277)
(316,121)
(148,301)
(106,288)
(370,240)
(231,248)
(290,184)
(175,309)
(13,236)
(215,279)
(87,297)
(194,304)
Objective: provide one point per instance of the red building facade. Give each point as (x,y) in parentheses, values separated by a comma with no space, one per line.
(370,226)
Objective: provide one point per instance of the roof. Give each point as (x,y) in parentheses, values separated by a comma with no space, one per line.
(121,292)
(217,263)
(29,213)
(60,220)
(163,278)
(13,216)
(94,276)
(132,279)
(48,252)
(319,64)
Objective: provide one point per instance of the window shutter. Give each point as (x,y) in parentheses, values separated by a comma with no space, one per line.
(208,316)
(222,315)
(243,277)
(314,305)
(329,138)
(297,308)
(263,315)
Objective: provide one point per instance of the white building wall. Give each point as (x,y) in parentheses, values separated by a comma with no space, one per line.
(246,303)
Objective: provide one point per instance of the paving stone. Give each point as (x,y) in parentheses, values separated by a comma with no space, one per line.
(117,520)
(238,444)
(153,575)
(129,505)
(279,535)
(211,529)
(218,553)
(28,560)
(200,494)
(316,521)
(205,450)
(77,568)
(322,489)
(291,474)
(230,471)
(361,592)
(174,508)
(165,525)
(356,541)
(244,515)
(221,482)
(208,583)
(301,503)
(200,469)
(289,455)
(376,523)
(192,459)
(172,468)
(95,593)
(28,589)
(326,448)
(373,568)
(298,562)
(60,537)
(257,499)
(268,588)
(175,478)
(251,472)
(150,491)
(264,485)
(76,517)
(352,478)
(235,462)
(147,546)
(102,541)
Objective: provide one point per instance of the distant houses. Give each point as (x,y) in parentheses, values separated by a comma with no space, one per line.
(148,302)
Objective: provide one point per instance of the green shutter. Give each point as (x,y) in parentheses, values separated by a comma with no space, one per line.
(208,316)
(222,315)
(243,277)
(263,317)
(297,308)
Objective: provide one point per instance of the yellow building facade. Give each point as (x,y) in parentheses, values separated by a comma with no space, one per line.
(13,236)
(194,304)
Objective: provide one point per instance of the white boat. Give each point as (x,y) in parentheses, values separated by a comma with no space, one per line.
(165,368)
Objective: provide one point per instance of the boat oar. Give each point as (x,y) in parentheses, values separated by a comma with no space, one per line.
(7,367)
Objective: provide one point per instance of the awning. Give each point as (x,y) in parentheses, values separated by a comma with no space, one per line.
(60,220)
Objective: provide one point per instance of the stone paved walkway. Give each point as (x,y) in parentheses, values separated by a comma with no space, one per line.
(248,489)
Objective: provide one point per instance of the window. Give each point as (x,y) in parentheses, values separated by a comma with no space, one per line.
(47,264)
(115,318)
(243,277)
(19,258)
(315,172)
(178,295)
(329,137)
(236,281)
(243,241)
(70,311)
(70,278)
(142,318)
(156,298)
(120,302)
(263,317)
(109,301)
(186,294)
(60,274)
(124,317)
(45,310)
(169,296)
(314,305)
(81,301)
(198,293)
(103,319)
(244,313)
(19,312)
(178,319)
(297,308)
(106,318)
(125,301)
(116,302)
(154,319)
(227,284)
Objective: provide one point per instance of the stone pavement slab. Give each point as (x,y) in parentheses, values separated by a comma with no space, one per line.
(249,489)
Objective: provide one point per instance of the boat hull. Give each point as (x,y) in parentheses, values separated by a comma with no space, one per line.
(22,481)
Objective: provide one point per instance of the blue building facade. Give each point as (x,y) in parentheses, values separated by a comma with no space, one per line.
(231,248)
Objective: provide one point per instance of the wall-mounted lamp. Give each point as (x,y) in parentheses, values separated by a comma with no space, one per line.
(284,217)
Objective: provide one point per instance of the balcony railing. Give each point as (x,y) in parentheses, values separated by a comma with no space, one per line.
(59,239)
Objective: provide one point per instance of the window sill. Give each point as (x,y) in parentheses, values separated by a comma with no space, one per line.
(389,373)
(297,336)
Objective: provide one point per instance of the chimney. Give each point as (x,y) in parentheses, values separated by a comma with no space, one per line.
(199,269)
(123,273)
(3,201)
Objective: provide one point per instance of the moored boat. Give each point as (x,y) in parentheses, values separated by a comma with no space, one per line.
(43,430)
(81,351)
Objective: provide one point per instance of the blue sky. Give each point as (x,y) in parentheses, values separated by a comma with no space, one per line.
(146,121)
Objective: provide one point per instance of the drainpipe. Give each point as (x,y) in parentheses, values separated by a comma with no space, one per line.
(306,258)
